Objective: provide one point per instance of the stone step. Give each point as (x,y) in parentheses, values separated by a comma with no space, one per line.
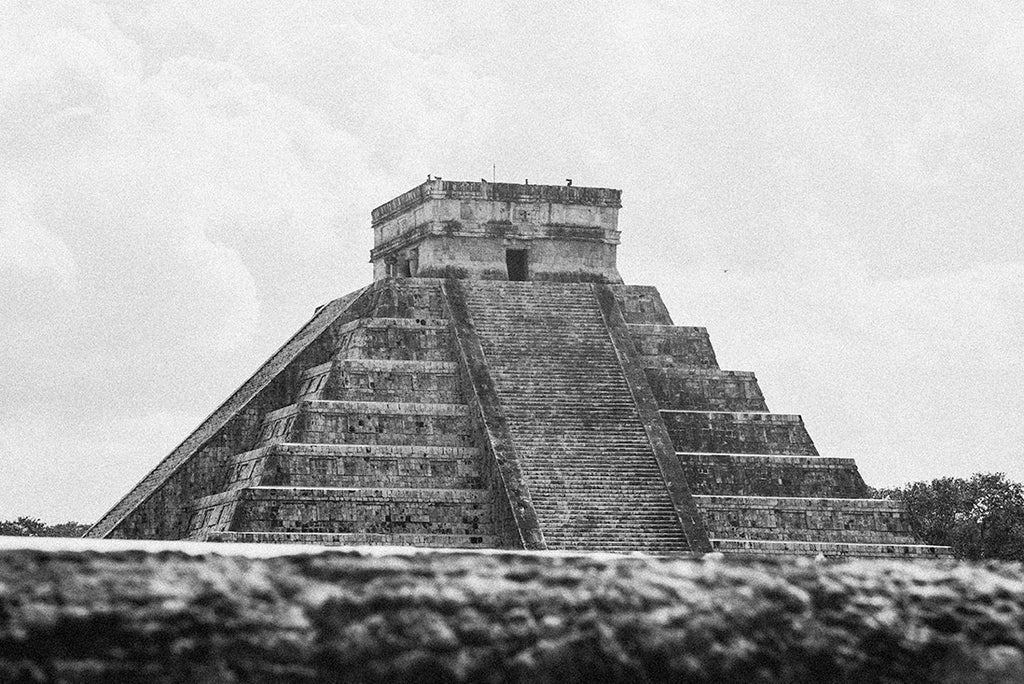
(569,477)
(772,475)
(439,541)
(560,405)
(761,547)
(705,389)
(598,546)
(611,496)
(738,432)
(876,521)
(572,418)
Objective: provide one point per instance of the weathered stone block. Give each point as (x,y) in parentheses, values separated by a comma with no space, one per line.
(741,433)
(641,304)
(364,511)
(673,345)
(420,339)
(394,381)
(343,422)
(759,475)
(348,465)
(864,521)
(703,389)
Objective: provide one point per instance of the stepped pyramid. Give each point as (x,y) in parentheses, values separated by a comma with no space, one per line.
(498,386)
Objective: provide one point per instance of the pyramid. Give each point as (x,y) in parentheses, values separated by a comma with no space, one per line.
(498,386)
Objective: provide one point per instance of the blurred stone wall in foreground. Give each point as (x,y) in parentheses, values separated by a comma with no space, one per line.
(134,615)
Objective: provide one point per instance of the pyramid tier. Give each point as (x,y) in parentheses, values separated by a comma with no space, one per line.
(762,548)
(870,521)
(767,475)
(357,465)
(407,298)
(369,422)
(395,381)
(705,389)
(738,432)
(673,345)
(436,541)
(336,510)
(641,304)
(410,339)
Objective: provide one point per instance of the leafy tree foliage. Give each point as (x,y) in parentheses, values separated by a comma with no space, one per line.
(34,527)
(980,517)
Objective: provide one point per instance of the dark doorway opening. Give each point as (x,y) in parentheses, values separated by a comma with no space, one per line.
(515,262)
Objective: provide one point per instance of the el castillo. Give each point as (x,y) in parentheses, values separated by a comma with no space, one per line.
(499,462)
(497,385)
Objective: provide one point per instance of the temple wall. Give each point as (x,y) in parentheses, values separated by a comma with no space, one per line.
(550,258)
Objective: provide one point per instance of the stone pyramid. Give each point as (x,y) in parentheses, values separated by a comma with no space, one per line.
(497,386)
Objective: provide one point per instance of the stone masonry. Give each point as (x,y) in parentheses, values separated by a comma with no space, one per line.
(497,386)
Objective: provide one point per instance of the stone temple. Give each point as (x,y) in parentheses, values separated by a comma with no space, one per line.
(498,386)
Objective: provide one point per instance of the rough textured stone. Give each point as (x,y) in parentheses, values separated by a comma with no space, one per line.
(705,389)
(764,475)
(141,617)
(738,432)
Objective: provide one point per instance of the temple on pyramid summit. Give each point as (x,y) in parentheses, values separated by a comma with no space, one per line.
(498,386)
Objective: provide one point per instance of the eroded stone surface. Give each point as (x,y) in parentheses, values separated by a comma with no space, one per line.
(138,616)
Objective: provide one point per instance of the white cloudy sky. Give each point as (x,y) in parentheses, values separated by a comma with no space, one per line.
(836,190)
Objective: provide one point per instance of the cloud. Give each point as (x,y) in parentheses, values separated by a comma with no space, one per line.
(29,252)
(835,194)
(60,467)
(223,273)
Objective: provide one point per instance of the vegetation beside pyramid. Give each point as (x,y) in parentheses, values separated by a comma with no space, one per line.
(497,386)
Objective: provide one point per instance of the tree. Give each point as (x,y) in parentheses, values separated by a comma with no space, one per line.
(980,517)
(34,527)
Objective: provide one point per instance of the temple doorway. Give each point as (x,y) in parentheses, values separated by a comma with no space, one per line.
(516,263)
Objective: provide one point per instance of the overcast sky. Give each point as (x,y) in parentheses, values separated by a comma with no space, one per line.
(834,190)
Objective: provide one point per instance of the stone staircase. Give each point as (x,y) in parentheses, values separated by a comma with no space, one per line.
(377,447)
(755,476)
(585,455)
